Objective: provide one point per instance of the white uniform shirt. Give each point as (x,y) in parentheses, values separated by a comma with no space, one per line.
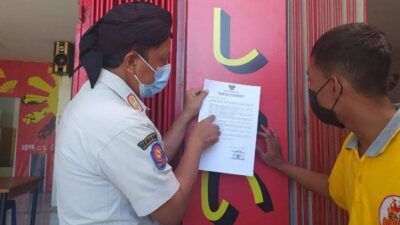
(110,167)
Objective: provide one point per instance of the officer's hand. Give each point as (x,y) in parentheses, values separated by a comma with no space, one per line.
(193,100)
(272,156)
(204,134)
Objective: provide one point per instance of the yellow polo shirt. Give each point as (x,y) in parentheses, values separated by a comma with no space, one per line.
(368,188)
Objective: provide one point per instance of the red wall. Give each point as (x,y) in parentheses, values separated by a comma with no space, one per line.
(37,88)
(261,26)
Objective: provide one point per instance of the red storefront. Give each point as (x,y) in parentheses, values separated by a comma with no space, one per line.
(258,42)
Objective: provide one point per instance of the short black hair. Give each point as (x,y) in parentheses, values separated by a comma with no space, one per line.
(360,52)
(394,80)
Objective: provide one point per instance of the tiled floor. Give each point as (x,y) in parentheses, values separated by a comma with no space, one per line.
(46,215)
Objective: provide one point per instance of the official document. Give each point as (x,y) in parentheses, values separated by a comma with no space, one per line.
(235,107)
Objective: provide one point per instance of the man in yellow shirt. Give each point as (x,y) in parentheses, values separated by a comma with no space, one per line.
(348,75)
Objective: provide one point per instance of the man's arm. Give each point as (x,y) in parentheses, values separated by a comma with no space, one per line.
(313,181)
(204,134)
(174,137)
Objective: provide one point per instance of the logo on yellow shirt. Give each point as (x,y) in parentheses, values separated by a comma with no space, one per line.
(389,212)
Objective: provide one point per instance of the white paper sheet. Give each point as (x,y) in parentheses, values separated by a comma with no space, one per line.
(236,109)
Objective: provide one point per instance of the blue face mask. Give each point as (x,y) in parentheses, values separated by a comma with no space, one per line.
(161,77)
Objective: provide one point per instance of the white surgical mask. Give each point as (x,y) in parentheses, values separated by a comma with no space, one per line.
(161,77)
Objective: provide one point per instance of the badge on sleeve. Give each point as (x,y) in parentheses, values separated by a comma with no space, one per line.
(147,141)
(134,102)
(158,156)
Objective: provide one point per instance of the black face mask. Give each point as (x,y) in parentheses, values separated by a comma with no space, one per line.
(327,116)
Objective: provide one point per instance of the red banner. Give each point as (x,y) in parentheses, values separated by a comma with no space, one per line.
(245,43)
(37,88)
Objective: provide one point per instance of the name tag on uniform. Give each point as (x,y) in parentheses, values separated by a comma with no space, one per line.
(147,141)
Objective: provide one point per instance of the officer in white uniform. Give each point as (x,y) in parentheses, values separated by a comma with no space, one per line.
(111,164)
